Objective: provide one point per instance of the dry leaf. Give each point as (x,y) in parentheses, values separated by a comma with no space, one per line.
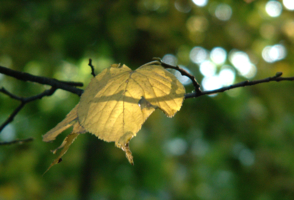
(118,101)
(70,120)
(64,146)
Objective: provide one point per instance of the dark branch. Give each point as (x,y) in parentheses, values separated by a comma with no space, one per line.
(71,83)
(92,68)
(199,93)
(276,78)
(17,141)
(23,102)
(55,84)
(68,86)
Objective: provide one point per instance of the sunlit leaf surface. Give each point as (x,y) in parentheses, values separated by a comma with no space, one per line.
(118,101)
(69,121)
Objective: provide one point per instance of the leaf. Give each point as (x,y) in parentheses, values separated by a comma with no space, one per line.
(65,145)
(118,101)
(70,119)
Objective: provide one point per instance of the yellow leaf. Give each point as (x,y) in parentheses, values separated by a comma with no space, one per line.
(65,145)
(70,119)
(77,129)
(118,101)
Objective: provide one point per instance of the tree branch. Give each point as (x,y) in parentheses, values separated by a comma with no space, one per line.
(55,84)
(23,101)
(276,78)
(199,93)
(68,86)
(17,141)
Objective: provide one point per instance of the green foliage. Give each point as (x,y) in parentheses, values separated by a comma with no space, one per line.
(236,145)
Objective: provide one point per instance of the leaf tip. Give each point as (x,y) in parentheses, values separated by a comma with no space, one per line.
(128,152)
(64,146)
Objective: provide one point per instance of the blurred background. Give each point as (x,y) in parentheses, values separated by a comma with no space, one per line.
(234,145)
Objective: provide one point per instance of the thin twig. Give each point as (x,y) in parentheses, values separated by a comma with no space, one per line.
(17,141)
(23,102)
(92,68)
(55,84)
(276,78)
(183,72)
(68,86)
(199,93)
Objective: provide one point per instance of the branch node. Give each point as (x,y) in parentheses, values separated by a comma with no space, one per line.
(92,68)
(157,59)
(278,74)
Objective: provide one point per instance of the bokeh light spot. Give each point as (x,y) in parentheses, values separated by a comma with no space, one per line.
(211,83)
(197,24)
(176,147)
(244,154)
(183,79)
(227,76)
(223,12)
(274,53)
(289,4)
(218,55)
(242,63)
(8,133)
(273,8)
(198,55)
(170,59)
(207,68)
(200,3)
(246,157)
(181,6)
